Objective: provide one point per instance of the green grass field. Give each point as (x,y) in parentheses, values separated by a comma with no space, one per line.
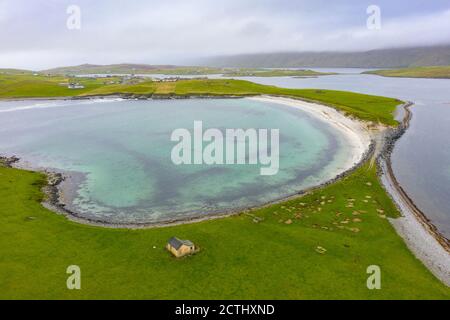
(438,72)
(30,86)
(365,107)
(127,68)
(280,257)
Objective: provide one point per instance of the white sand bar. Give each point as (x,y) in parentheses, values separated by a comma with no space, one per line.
(356,132)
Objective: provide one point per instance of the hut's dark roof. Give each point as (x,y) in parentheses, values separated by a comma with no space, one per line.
(177,243)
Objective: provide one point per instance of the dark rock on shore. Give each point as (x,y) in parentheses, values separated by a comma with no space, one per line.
(394,134)
(8,161)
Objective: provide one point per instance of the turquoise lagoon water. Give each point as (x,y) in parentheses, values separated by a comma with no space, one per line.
(116,154)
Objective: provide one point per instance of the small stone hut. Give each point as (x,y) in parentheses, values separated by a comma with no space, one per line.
(180,248)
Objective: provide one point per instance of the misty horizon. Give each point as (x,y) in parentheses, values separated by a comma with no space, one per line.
(38,36)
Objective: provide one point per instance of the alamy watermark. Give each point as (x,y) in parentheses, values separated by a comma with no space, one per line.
(374,19)
(231,147)
(74,19)
(74,280)
(374,280)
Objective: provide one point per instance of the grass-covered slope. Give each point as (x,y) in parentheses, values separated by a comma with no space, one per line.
(380,58)
(15,71)
(280,257)
(438,72)
(39,86)
(365,107)
(129,68)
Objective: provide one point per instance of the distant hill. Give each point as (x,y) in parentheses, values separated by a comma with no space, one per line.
(127,68)
(176,70)
(384,58)
(112,68)
(14,71)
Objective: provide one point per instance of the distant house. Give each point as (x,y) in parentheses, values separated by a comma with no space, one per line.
(75,86)
(169,79)
(180,248)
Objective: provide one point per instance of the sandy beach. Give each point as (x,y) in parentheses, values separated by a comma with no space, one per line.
(356,132)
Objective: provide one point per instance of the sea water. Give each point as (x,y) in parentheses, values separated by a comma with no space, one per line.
(117,154)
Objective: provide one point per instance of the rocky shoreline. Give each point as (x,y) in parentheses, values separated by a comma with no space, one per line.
(384,162)
(8,161)
(418,232)
(132,96)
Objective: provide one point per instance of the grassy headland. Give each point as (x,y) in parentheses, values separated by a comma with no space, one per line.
(314,247)
(438,72)
(39,86)
(365,107)
(127,68)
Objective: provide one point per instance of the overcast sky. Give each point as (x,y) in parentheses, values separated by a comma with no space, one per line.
(34,33)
